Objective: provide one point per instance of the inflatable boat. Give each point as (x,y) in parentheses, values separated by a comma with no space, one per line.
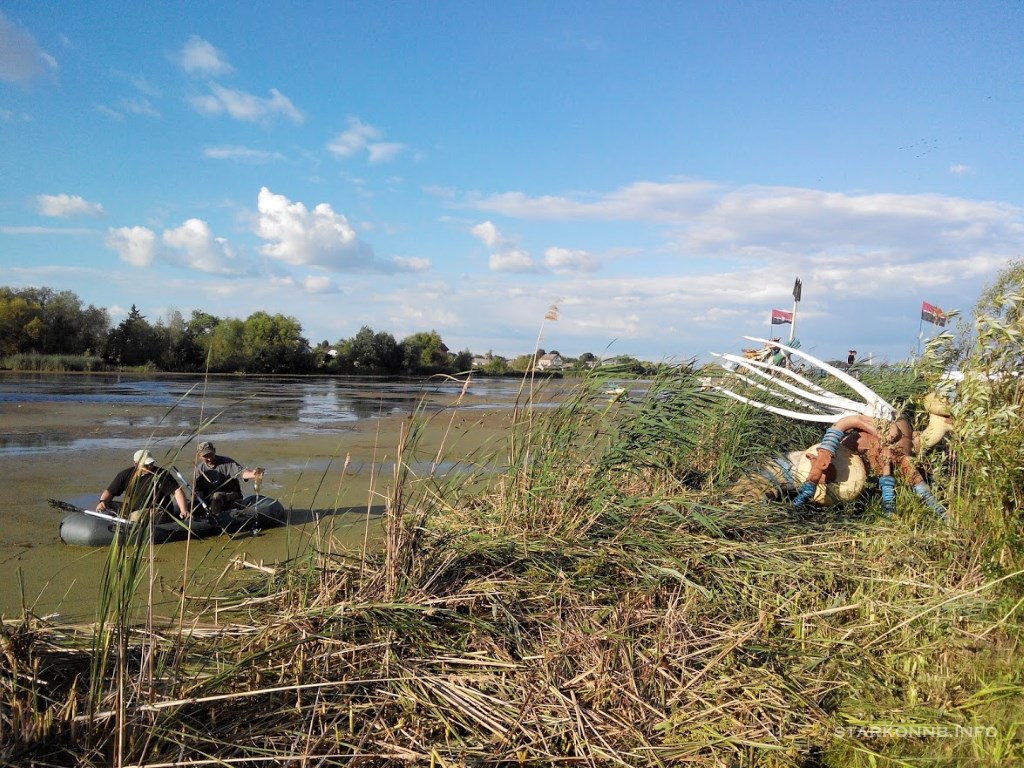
(88,528)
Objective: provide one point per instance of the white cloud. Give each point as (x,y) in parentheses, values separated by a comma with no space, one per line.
(21,58)
(301,237)
(362,136)
(642,201)
(760,224)
(318,284)
(246,106)
(384,152)
(141,107)
(514,260)
(355,139)
(199,57)
(69,231)
(136,245)
(411,264)
(242,154)
(199,249)
(488,234)
(507,257)
(64,206)
(566,261)
(113,114)
(961,170)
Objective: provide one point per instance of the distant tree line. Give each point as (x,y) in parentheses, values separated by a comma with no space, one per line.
(47,323)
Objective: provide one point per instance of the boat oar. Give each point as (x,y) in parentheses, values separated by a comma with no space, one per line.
(195,496)
(63,505)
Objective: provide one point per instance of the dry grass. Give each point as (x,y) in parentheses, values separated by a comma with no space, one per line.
(598,601)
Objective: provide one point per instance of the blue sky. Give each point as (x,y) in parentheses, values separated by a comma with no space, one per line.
(660,172)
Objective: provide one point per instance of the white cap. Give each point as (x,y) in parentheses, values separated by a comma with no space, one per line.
(143,457)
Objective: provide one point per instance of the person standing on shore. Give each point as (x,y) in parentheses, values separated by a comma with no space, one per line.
(145,486)
(217,478)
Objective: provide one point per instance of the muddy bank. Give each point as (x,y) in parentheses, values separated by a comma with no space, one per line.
(339,472)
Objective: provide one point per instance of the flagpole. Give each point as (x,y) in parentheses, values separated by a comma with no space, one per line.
(797,293)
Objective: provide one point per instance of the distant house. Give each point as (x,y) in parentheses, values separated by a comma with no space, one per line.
(479,361)
(552,361)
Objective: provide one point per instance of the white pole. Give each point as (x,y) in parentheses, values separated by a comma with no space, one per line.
(797,292)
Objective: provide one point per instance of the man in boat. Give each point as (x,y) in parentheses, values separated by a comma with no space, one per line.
(217,478)
(144,487)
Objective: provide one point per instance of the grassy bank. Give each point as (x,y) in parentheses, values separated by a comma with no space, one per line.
(601,600)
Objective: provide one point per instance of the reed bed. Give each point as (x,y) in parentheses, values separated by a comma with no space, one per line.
(585,593)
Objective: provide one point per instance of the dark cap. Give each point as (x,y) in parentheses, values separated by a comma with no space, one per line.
(205,449)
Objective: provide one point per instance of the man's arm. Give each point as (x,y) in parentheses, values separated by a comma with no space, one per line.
(179,499)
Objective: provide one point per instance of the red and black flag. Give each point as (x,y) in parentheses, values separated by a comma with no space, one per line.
(781,317)
(932,314)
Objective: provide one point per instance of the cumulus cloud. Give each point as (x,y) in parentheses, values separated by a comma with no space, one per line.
(245,106)
(199,57)
(361,136)
(192,244)
(242,154)
(319,237)
(514,260)
(488,234)
(195,246)
(21,58)
(65,206)
(303,237)
(567,261)
(506,256)
(135,245)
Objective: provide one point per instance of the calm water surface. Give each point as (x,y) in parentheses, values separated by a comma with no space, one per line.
(249,407)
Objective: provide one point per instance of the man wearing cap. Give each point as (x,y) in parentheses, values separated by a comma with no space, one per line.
(144,486)
(217,478)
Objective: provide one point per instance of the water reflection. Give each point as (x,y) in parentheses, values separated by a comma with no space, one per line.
(249,406)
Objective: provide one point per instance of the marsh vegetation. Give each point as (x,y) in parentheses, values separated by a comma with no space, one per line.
(600,600)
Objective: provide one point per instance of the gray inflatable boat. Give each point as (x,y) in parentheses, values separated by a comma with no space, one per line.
(87,528)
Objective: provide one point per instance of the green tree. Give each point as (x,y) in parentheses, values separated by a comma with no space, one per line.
(523,363)
(224,346)
(425,352)
(462,362)
(181,352)
(387,353)
(17,331)
(360,349)
(274,344)
(496,365)
(134,342)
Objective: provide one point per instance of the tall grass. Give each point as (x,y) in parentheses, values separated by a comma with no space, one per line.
(28,361)
(583,592)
